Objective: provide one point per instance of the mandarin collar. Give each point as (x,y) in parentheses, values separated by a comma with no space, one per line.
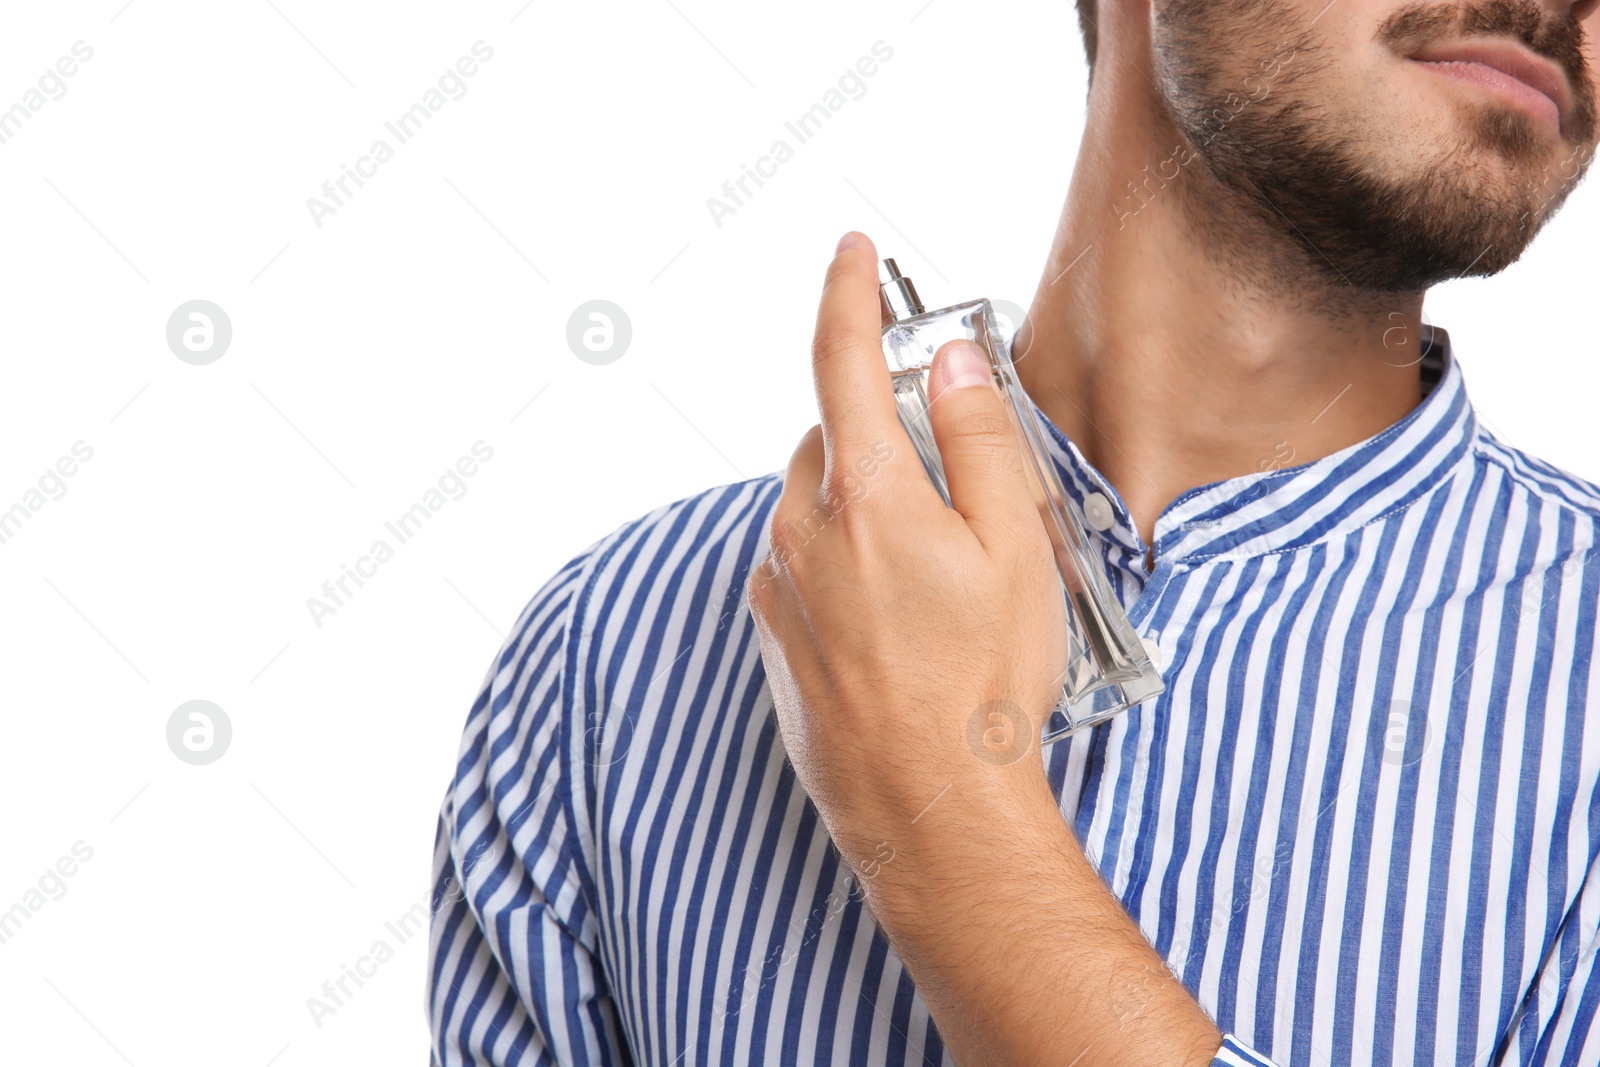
(1289,507)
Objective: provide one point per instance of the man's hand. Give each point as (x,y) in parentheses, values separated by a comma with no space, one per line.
(892,624)
(913,652)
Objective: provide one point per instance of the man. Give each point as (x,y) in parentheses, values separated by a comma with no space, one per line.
(1360,825)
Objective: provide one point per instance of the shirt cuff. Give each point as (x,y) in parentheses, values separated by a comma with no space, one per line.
(1234,1054)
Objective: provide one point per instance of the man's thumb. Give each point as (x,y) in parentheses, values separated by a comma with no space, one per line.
(977,439)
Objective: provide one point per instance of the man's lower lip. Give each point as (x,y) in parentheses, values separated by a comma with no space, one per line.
(1512,89)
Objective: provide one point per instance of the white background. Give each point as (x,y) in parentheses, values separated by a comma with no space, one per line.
(429,313)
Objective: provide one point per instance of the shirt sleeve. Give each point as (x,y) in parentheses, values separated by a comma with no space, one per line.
(514,970)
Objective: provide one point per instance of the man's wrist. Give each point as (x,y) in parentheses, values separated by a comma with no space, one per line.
(952,857)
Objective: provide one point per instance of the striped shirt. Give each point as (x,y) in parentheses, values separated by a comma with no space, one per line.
(1361,823)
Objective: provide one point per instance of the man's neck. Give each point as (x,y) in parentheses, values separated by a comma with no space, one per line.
(1178,342)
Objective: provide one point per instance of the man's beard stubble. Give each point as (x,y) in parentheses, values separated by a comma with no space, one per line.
(1303,173)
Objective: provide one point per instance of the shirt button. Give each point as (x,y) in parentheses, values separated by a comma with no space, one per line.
(1097,509)
(1153,650)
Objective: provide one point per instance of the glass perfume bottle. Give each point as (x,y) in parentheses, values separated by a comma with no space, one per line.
(1108,670)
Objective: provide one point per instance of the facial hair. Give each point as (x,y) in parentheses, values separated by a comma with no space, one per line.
(1302,171)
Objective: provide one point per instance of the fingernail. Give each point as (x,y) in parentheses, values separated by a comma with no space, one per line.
(966,365)
(849,240)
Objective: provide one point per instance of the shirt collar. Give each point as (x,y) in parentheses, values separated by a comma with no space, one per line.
(1288,507)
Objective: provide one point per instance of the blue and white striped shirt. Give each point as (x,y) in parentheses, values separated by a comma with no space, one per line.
(1361,824)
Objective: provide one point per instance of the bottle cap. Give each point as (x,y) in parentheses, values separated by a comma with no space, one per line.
(897,297)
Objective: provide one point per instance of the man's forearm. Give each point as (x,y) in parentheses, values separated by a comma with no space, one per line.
(1021,953)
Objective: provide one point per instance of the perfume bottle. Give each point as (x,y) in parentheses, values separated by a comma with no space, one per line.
(1108,670)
